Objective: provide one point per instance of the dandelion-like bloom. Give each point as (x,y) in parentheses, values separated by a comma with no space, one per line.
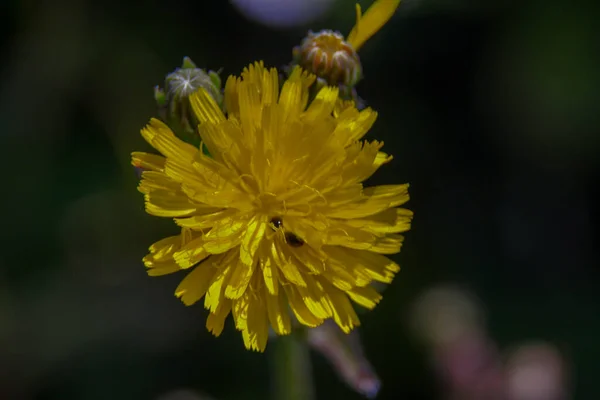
(335,59)
(275,223)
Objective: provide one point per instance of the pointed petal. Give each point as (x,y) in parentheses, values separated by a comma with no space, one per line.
(366,296)
(269,270)
(216,321)
(164,140)
(278,312)
(215,294)
(372,21)
(375,200)
(343,312)
(302,313)
(147,161)
(193,287)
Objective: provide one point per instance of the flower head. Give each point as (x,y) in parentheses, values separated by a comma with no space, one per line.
(334,59)
(276,223)
(173,100)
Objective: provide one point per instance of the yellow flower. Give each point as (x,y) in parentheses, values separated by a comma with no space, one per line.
(335,59)
(276,223)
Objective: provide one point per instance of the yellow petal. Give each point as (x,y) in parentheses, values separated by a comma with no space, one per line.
(230,94)
(310,259)
(193,287)
(341,106)
(341,234)
(375,200)
(239,281)
(346,276)
(225,235)
(163,203)
(322,106)
(360,161)
(191,254)
(165,248)
(164,140)
(147,161)
(315,298)
(389,244)
(257,332)
(157,181)
(365,296)
(216,321)
(343,312)
(207,219)
(352,125)
(255,232)
(183,173)
(206,108)
(215,293)
(372,21)
(302,313)
(239,310)
(379,267)
(270,274)
(160,260)
(291,99)
(162,268)
(278,313)
(392,220)
(250,107)
(270,87)
(288,268)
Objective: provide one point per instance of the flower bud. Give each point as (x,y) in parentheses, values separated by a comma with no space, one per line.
(333,60)
(173,101)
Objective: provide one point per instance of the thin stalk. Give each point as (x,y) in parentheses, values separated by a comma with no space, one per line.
(291,369)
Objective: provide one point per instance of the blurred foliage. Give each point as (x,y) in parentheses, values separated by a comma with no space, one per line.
(488,109)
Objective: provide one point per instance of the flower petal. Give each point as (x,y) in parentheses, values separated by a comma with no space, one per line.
(226,234)
(352,125)
(147,161)
(375,200)
(343,312)
(164,140)
(194,286)
(164,203)
(315,298)
(269,270)
(377,266)
(365,296)
(257,332)
(191,253)
(372,21)
(206,108)
(163,268)
(278,312)
(216,321)
(302,313)
(392,220)
(215,295)
(154,180)
(288,268)
(247,262)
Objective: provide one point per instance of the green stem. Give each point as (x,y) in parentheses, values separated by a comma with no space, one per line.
(291,369)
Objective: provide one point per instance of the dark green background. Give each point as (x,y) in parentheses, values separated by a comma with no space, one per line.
(488,107)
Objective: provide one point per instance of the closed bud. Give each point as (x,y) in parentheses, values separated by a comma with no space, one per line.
(173,100)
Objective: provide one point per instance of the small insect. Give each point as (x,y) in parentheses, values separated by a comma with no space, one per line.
(276,223)
(290,238)
(293,240)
